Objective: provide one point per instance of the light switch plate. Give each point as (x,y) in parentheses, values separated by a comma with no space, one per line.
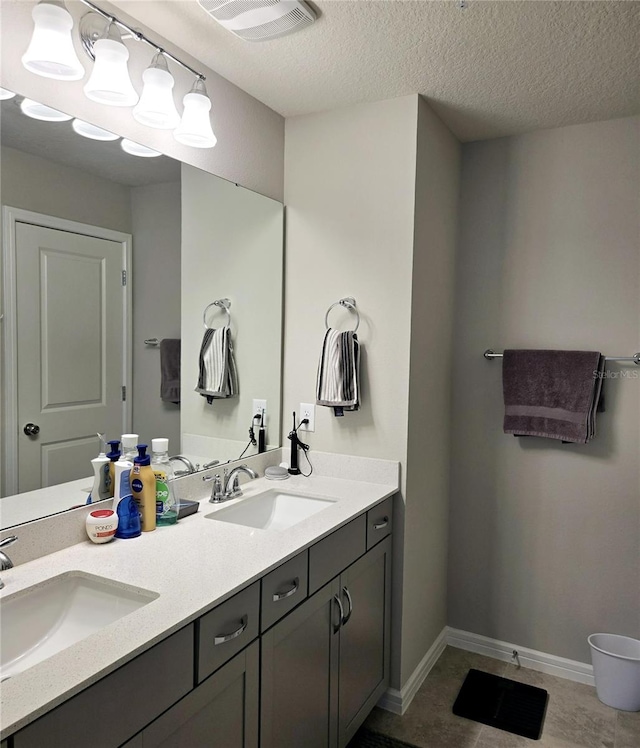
(308,410)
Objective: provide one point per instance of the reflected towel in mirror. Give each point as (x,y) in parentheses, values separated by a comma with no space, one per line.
(170,370)
(218,377)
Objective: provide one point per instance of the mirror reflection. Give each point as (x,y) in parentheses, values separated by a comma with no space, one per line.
(83,353)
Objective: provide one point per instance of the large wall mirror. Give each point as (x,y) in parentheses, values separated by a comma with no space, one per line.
(199,252)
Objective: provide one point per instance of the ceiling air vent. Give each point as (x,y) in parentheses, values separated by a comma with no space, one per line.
(259,20)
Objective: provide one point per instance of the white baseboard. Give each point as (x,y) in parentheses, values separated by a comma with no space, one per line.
(397,701)
(580,672)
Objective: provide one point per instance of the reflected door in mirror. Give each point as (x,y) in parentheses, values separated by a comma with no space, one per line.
(70,351)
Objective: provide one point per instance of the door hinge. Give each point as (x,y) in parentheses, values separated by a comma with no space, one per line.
(124,393)
(124,277)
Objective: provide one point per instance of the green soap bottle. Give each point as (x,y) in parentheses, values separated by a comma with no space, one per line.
(166,503)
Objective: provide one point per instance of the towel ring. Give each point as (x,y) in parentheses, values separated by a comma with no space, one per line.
(348,303)
(224,304)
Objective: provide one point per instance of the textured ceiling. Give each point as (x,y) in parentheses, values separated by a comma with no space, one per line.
(495,68)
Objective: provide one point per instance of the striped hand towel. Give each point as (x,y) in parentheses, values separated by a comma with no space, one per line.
(338,384)
(218,377)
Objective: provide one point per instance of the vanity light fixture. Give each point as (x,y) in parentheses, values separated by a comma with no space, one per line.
(36,110)
(156,107)
(87,130)
(50,52)
(109,82)
(135,149)
(6,94)
(195,126)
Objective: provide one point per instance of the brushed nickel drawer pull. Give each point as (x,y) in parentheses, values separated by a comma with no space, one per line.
(228,637)
(345,591)
(292,591)
(380,525)
(336,626)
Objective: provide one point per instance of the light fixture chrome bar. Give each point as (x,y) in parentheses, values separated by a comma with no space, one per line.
(139,36)
(489,355)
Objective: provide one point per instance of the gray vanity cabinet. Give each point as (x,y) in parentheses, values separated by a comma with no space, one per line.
(365,589)
(117,706)
(326,664)
(299,675)
(221,711)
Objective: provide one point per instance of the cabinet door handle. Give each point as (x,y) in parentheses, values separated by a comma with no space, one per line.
(380,525)
(345,592)
(291,591)
(228,637)
(336,626)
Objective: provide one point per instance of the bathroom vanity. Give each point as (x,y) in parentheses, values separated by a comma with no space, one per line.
(257,637)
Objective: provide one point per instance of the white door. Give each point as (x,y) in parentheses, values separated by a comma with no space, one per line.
(70,325)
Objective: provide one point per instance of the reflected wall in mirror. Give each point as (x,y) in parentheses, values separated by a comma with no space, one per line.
(193,238)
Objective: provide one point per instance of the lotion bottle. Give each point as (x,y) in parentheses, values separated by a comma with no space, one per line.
(129,446)
(100,490)
(124,504)
(143,488)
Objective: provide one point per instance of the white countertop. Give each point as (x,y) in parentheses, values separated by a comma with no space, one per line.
(193,566)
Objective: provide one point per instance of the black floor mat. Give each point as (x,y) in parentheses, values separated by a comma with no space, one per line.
(502,703)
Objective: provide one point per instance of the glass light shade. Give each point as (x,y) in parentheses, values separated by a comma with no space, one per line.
(195,126)
(36,110)
(50,52)
(6,94)
(135,149)
(109,82)
(87,130)
(156,107)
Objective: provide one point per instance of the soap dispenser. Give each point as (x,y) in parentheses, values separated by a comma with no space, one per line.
(114,455)
(143,488)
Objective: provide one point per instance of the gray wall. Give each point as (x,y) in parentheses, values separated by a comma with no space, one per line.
(33,183)
(432,303)
(156,212)
(250,135)
(545,537)
(361,223)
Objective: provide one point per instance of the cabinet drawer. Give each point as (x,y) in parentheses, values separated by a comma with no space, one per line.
(379,522)
(112,710)
(337,551)
(227,629)
(284,588)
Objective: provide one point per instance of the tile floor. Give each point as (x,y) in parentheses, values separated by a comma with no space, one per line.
(575,718)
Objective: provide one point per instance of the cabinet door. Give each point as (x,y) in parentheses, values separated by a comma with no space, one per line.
(299,675)
(222,712)
(364,637)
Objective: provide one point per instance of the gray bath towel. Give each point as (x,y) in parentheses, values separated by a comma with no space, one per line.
(338,384)
(217,367)
(553,394)
(170,370)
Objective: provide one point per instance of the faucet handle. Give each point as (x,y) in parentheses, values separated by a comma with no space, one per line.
(216,490)
(10,540)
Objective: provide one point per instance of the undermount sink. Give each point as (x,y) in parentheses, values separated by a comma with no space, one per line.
(45,619)
(271,510)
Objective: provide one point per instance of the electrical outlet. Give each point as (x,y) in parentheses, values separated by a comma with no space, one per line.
(308,410)
(258,407)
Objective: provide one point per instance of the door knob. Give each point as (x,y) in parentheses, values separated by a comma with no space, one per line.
(31,429)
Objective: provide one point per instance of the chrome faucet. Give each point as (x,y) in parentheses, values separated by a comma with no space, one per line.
(191,468)
(229,487)
(5,561)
